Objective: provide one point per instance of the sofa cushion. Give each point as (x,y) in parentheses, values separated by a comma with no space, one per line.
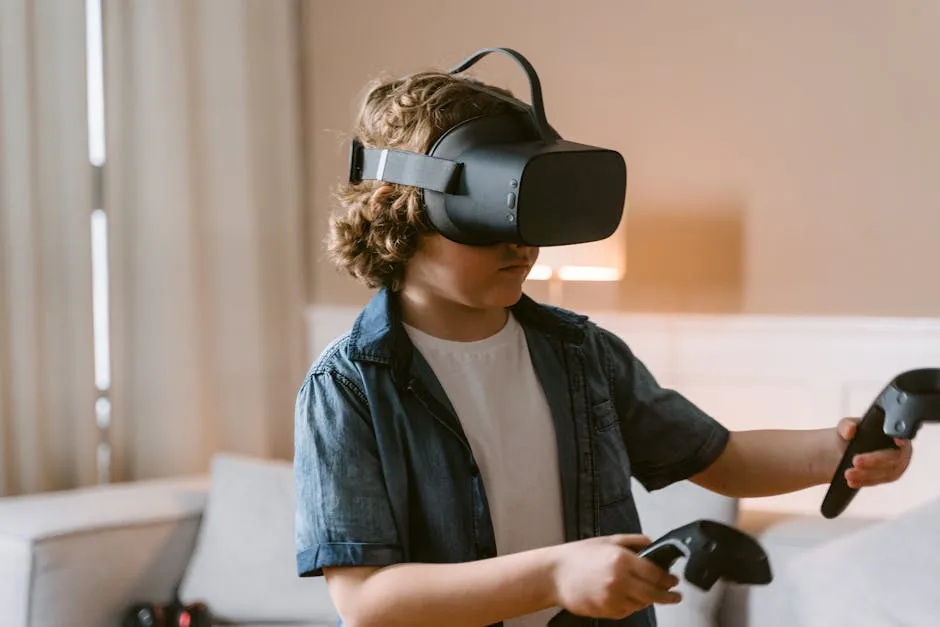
(243,565)
(662,511)
(884,574)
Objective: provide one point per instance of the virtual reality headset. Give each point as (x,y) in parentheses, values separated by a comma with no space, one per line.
(507,178)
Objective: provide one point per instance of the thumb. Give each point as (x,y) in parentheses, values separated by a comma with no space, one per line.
(847,428)
(630,540)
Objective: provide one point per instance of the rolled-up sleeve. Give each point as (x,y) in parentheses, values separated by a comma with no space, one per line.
(343,516)
(668,437)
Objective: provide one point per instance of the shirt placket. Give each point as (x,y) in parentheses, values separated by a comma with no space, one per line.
(484,534)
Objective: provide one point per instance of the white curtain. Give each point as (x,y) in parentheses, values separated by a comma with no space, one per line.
(204,192)
(48,434)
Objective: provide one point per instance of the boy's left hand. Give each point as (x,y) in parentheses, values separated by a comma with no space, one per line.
(876,467)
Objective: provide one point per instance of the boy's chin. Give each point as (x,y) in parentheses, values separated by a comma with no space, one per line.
(504,298)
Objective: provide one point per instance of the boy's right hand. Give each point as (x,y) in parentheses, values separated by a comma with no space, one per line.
(605,578)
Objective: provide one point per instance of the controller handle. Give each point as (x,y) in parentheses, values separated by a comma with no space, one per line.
(911,398)
(869,436)
(663,553)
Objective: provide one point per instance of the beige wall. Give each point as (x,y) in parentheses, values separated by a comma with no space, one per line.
(782,155)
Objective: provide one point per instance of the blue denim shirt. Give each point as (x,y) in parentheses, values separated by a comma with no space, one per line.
(385,474)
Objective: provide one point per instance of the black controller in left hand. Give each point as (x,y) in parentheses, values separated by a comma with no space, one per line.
(909,400)
(713,551)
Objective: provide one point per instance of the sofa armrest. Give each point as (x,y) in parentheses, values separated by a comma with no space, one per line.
(81,557)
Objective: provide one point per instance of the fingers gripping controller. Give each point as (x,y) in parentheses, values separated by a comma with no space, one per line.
(869,436)
(908,401)
(713,551)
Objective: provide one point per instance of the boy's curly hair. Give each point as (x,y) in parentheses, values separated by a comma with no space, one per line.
(377,231)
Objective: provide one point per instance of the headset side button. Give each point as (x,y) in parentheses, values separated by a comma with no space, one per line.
(511,200)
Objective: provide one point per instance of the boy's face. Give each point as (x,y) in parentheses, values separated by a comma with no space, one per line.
(474,276)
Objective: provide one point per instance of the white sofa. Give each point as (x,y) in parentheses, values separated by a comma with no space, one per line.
(80,558)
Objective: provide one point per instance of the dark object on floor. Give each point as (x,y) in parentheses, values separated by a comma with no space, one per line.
(173,615)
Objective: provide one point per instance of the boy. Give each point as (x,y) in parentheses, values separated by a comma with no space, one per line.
(464,455)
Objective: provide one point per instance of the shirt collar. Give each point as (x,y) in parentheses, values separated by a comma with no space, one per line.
(378,336)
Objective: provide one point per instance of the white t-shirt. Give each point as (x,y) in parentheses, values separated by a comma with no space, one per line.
(503,410)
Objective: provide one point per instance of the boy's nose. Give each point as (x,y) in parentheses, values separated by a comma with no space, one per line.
(521,251)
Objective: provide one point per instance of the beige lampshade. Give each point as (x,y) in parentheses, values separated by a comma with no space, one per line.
(604,260)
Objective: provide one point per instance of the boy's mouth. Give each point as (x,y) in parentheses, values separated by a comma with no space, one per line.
(519,267)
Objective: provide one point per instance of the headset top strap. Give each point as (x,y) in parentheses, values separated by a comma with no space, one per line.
(537,107)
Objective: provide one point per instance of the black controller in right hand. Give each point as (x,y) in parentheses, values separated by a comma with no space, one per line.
(869,436)
(909,400)
(713,551)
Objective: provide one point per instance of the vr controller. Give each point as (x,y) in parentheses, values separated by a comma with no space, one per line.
(909,400)
(712,550)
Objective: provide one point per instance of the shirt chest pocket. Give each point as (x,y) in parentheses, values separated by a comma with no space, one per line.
(611,462)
